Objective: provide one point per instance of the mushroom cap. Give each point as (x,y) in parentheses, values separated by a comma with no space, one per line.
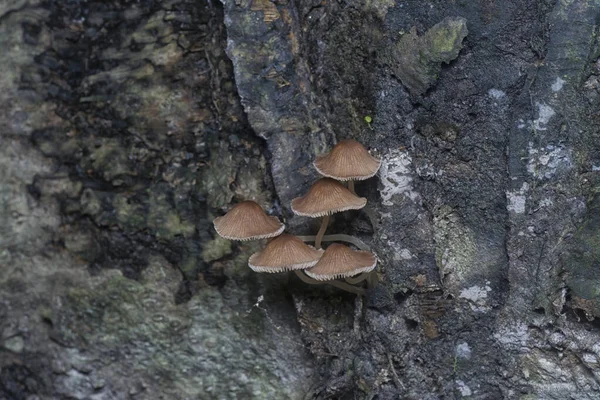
(284,253)
(339,261)
(247,221)
(348,161)
(326,196)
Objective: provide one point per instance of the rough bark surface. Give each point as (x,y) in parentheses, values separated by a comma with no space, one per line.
(122,137)
(126,127)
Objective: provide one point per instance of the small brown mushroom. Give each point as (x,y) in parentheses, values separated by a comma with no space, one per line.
(247,221)
(348,161)
(339,261)
(324,198)
(284,253)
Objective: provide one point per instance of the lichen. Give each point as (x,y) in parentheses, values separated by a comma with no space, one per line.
(217,178)
(455,245)
(216,249)
(417,59)
(172,343)
(109,158)
(581,259)
(165,220)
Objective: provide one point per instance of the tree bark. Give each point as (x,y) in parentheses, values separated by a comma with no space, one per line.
(126,127)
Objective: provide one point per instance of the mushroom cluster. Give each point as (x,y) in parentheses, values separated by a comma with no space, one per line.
(348,161)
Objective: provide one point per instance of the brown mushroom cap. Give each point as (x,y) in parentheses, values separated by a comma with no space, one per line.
(247,221)
(284,253)
(326,196)
(339,261)
(348,161)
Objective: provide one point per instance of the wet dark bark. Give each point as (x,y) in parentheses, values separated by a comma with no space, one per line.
(126,127)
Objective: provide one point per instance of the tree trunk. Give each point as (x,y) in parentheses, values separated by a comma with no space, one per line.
(126,127)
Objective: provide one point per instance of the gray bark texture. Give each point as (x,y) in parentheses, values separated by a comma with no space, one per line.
(126,127)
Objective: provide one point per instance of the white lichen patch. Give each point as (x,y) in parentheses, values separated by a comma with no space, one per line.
(516,202)
(475,293)
(516,199)
(396,176)
(463,388)
(16,344)
(427,171)
(545,162)
(545,112)
(515,335)
(496,93)
(463,350)
(477,297)
(403,254)
(590,359)
(546,202)
(558,84)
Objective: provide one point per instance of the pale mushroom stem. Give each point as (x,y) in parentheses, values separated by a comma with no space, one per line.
(351,186)
(358,278)
(347,288)
(340,237)
(340,285)
(371,277)
(307,279)
(321,232)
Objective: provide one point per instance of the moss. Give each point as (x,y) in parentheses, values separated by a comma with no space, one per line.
(164,220)
(417,59)
(189,267)
(129,214)
(216,249)
(238,267)
(444,42)
(91,203)
(110,159)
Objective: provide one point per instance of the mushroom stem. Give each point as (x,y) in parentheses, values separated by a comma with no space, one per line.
(351,186)
(307,279)
(373,279)
(357,279)
(339,237)
(370,213)
(347,288)
(321,231)
(340,285)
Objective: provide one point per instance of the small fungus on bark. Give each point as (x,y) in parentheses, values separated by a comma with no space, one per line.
(324,198)
(348,161)
(284,253)
(247,221)
(339,261)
